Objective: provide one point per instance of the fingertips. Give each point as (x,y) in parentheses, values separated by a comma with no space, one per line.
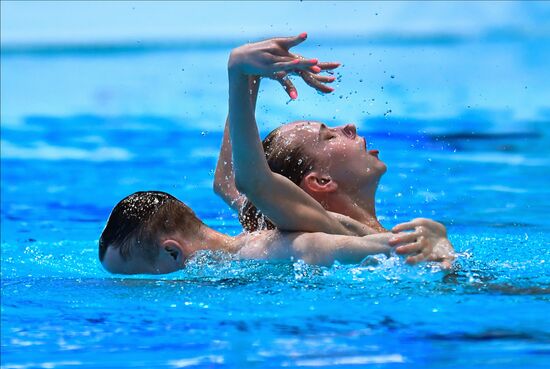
(329,65)
(303,64)
(293,41)
(324,79)
(323,88)
(315,69)
(289,87)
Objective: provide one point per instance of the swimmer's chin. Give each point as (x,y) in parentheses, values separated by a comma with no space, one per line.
(380,168)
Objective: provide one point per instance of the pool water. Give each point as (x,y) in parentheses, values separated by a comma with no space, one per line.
(464,128)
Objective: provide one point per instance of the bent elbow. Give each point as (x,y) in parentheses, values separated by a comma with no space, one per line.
(244,187)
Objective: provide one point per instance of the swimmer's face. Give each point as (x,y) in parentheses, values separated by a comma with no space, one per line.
(338,151)
(168,261)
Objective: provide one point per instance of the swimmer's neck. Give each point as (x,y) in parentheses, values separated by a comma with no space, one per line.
(209,239)
(360,206)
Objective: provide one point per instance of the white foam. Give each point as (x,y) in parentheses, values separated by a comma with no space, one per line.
(45,151)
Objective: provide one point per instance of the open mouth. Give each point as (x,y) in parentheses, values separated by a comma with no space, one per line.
(374,153)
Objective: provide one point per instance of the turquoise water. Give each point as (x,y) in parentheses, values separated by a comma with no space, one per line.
(464,129)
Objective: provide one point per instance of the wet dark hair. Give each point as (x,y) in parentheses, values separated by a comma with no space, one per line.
(139,219)
(286,157)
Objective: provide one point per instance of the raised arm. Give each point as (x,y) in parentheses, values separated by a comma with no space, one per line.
(284,203)
(224,178)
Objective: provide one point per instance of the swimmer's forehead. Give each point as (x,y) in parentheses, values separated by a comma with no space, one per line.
(301,125)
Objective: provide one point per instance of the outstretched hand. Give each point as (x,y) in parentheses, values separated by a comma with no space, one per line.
(427,242)
(311,77)
(272,58)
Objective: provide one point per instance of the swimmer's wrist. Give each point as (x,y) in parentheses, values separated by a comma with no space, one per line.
(235,64)
(235,73)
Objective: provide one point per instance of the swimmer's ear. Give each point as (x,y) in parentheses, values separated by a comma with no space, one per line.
(318,183)
(173,249)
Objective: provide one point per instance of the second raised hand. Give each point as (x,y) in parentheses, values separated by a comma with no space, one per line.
(272,58)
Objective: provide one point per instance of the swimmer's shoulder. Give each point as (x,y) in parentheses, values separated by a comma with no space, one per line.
(264,244)
(258,244)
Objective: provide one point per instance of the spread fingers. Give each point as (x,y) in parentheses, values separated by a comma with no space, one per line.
(289,87)
(411,248)
(315,83)
(403,238)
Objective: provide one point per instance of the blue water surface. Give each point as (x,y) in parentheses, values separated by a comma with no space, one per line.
(463,127)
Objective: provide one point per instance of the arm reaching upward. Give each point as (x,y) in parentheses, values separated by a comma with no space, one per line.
(283,202)
(224,178)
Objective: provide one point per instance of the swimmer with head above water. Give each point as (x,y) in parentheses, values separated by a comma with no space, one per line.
(154,233)
(316,178)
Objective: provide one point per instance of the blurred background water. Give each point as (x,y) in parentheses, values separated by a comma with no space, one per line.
(100,99)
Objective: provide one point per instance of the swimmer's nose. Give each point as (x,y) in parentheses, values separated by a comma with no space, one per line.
(350,130)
